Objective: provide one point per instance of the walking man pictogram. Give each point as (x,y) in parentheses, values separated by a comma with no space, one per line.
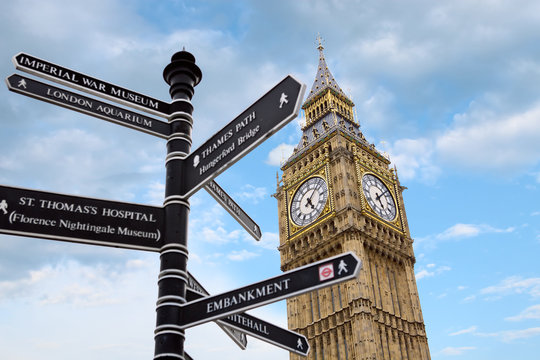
(283,100)
(3,206)
(342,267)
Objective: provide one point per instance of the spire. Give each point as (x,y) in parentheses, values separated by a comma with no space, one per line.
(324,78)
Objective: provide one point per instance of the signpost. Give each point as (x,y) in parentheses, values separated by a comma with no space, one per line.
(80,219)
(80,81)
(182,302)
(234,209)
(258,122)
(86,105)
(291,283)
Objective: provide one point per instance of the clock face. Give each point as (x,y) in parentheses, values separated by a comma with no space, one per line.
(308,201)
(378,197)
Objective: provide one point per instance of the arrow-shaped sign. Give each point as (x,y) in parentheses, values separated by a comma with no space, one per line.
(86,105)
(291,283)
(265,331)
(233,208)
(262,119)
(262,330)
(89,84)
(63,217)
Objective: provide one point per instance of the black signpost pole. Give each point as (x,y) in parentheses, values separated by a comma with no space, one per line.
(182,75)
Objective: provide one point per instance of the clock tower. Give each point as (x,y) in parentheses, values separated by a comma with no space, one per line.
(337,194)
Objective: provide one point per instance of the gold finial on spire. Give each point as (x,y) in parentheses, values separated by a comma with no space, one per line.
(320,40)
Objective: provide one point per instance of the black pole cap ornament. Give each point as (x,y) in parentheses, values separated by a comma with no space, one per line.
(182,74)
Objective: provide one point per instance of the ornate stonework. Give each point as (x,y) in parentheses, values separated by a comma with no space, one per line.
(378,315)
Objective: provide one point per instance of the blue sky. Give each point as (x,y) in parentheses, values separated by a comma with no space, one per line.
(448,89)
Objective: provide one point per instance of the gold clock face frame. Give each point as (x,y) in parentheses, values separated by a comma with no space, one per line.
(379,197)
(309,201)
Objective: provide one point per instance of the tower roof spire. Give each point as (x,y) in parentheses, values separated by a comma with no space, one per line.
(324,78)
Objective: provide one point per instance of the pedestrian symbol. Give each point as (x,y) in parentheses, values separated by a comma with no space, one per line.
(22,84)
(3,206)
(283,100)
(342,267)
(299,344)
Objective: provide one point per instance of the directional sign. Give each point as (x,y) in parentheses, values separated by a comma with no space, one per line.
(295,282)
(233,208)
(86,105)
(89,84)
(265,331)
(262,119)
(54,216)
(195,291)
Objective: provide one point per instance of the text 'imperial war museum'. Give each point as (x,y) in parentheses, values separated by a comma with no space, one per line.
(338,194)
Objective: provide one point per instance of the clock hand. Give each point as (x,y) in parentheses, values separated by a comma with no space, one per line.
(379,196)
(308,201)
(313,193)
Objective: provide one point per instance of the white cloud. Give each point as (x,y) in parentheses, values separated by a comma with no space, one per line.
(75,284)
(484,140)
(241,255)
(219,235)
(479,140)
(269,241)
(423,273)
(414,159)
(511,335)
(455,351)
(469,330)
(436,270)
(252,193)
(514,285)
(279,154)
(470,230)
(156,193)
(532,312)
(461,231)
(77,161)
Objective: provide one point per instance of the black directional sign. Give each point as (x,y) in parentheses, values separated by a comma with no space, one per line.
(86,105)
(295,282)
(195,291)
(262,119)
(54,216)
(234,209)
(263,330)
(89,84)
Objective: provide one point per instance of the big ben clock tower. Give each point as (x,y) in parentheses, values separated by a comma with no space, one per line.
(337,194)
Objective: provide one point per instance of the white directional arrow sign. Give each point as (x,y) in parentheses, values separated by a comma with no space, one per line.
(291,283)
(80,219)
(80,81)
(234,209)
(86,105)
(257,123)
(260,329)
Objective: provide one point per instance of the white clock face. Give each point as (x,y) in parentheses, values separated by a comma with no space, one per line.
(378,197)
(308,201)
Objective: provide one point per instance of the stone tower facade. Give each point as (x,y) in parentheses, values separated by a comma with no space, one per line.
(337,194)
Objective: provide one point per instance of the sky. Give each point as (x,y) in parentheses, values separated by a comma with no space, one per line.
(448,89)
